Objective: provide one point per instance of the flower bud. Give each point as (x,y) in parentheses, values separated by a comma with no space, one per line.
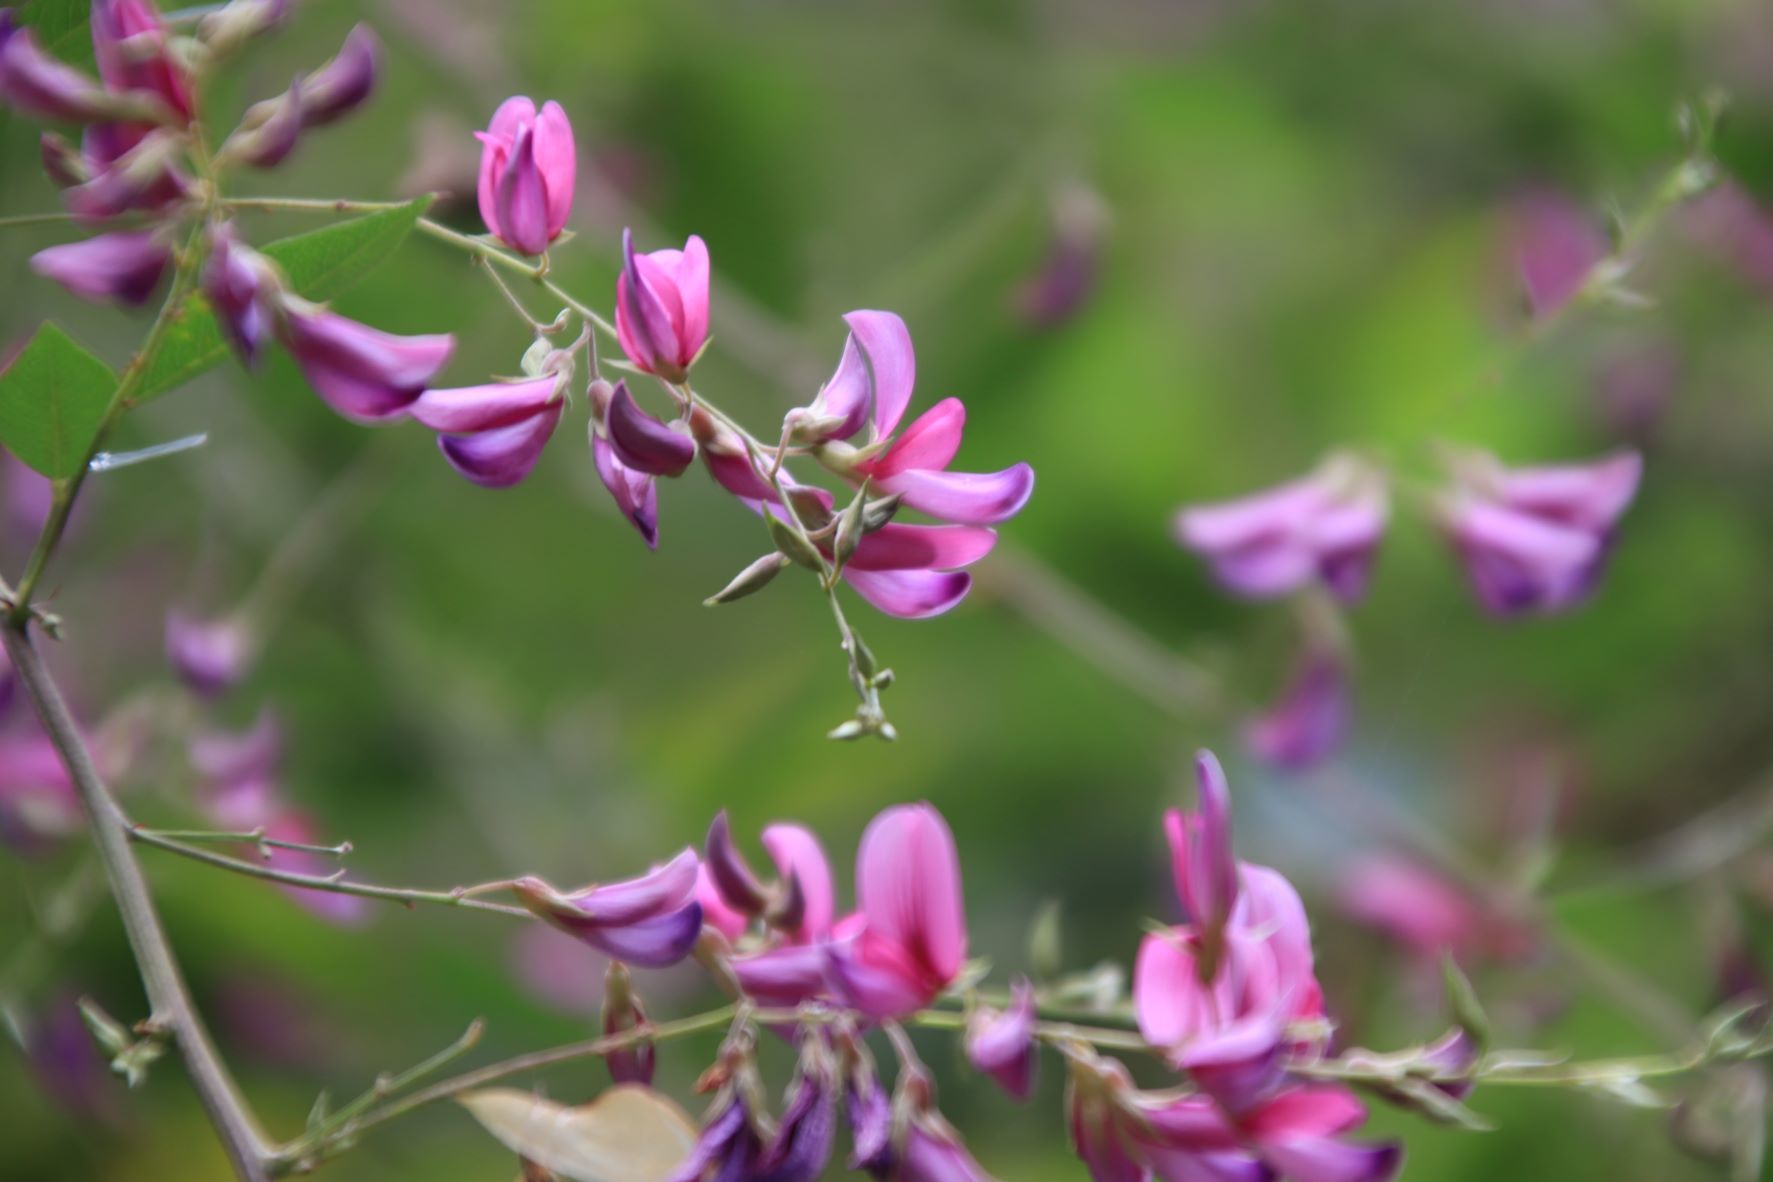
(37,84)
(1002,1044)
(135,54)
(752,579)
(143,176)
(528,170)
(124,267)
(662,307)
(641,441)
(622,1011)
(367,375)
(268,133)
(731,874)
(239,283)
(344,83)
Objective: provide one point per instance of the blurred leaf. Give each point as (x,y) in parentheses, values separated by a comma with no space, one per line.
(321,265)
(51,401)
(60,25)
(628,1134)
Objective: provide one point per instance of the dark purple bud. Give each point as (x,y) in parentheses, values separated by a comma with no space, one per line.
(1002,1044)
(870,1114)
(728,1148)
(622,1011)
(36,84)
(341,85)
(124,267)
(789,910)
(635,493)
(1067,276)
(502,456)
(642,442)
(732,876)
(803,1141)
(1309,722)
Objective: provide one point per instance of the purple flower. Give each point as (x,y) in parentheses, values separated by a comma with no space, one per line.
(1002,1044)
(238,773)
(367,375)
(662,307)
(629,448)
(134,53)
(651,921)
(239,282)
(127,170)
(933,1152)
(1310,720)
(1299,1133)
(37,801)
(869,1111)
(1536,540)
(342,84)
(37,84)
(494,434)
(808,1129)
(210,656)
(1325,526)
(873,383)
(728,1148)
(125,266)
(622,1012)
(1067,277)
(528,168)
(1556,247)
(268,133)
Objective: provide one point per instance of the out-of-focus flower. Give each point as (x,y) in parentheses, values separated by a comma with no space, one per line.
(126,170)
(210,656)
(873,384)
(235,23)
(33,82)
(662,307)
(651,921)
(1001,1044)
(239,282)
(1300,1133)
(933,1152)
(332,906)
(528,167)
(135,53)
(344,83)
(37,802)
(494,434)
(1418,908)
(1537,540)
(1122,1135)
(1067,276)
(1556,248)
(907,940)
(1325,526)
(800,904)
(268,133)
(238,773)
(124,266)
(367,375)
(1633,387)
(869,1111)
(728,1148)
(67,1064)
(1310,720)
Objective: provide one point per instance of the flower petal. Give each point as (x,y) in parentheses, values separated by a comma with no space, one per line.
(966,498)
(908,887)
(462,409)
(642,442)
(797,852)
(897,546)
(910,594)
(931,441)
(886,343)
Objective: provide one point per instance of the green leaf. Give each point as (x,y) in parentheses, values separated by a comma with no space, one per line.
(51,401)
(61,27)
(321,265)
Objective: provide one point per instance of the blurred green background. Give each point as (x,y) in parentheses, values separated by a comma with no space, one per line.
(1308,211)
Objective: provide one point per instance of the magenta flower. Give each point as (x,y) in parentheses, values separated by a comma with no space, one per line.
(237,773)
(344,83)
(715,911)
(37,84)
(907,940)
(629,449)
(367,375)
(210,656)
(126,170)
(1310,720)
(528,167)
(933,1152)
(1123,1135)
(1300,1134)
(124,267)
(1556,247)
(238,282)
(494,434)
(1325,526)
(873,383)
(651,921)
(1537,540)
(134,53)
(1001,1044)
(662,307)
(799,906)
(332,906)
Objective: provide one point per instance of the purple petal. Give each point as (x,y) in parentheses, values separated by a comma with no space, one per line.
(804,1139)
(502,456)
(784,976)
(557,161)
(642,442)
(661,889)
(651,943)
(210,656)
(896,546)
(366,375)
(910,594)
(1310,720)
(37,84)
(477,408)
(125,266)
(523,198)
(965,498)
(344,83)
(635,493)
(1002,1045)
(886,343)
(847,397)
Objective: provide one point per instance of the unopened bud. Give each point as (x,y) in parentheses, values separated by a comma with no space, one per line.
(733,878)
(849,529)
(793,544)
(622,1012)
(879,512)
(752,579)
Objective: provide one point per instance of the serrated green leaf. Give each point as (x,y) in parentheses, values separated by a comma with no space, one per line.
(51,401)
(321,265)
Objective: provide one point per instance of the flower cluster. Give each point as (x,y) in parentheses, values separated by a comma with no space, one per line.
(1532,541)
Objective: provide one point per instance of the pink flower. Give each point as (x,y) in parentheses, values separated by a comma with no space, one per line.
(662,307)
(1418,908)
(908,939)
(127,168)
(528,167)
(1536,540)
(134,53)
(1325,526)
(494,434)
(210,656)
(630,448)
(651,921)
(367,375)
(1300,1134)
(37,801)
(1556,247)
(873,383)
(1123,1135)
(799,905)
(1219,992)
(239,281)
(1309,722)
(715,911)
(125,266)
(237,773)
(332,906)
(1001,1044)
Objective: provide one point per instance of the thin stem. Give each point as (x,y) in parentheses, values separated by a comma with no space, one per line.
(34,219)
(171,1003)
(250,836)
(460,897)
(67,490)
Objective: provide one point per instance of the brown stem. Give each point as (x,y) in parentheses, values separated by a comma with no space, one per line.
(168,997)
